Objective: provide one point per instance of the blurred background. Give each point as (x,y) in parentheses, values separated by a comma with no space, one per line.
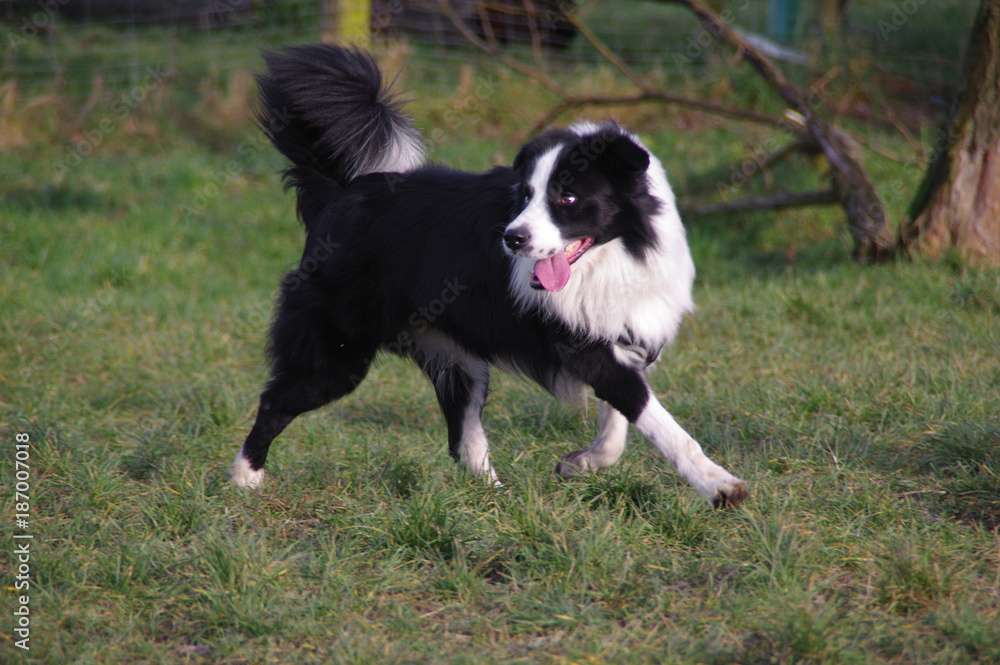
(78,52)
(131,72)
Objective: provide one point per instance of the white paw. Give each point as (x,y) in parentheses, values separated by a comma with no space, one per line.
(493,479)
(243,475)
(727,492)
(574,465)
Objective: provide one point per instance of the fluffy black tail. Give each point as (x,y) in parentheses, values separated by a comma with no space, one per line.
(325,108)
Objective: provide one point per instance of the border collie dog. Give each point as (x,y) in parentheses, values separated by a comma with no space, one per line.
(570,267)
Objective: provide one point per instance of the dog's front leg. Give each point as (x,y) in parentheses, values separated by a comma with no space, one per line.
(625,389)
(719,487)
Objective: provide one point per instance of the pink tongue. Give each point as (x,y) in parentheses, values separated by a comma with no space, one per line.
(553,273)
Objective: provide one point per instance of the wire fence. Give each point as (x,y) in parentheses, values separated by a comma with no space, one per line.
(83,48)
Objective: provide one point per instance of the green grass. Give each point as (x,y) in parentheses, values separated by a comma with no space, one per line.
(860,403)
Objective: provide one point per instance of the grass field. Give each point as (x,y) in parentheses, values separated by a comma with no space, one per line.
(136,277)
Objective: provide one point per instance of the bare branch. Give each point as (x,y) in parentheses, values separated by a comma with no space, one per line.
(570,101)
(659,96)
(806,144)
(607,53)
(718,27)
(493,48)
(776,202)
(866,218)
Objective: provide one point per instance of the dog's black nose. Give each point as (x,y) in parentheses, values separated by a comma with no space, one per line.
(515,239)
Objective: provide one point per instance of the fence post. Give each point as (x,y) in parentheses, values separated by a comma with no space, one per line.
(347,22)
(782,15)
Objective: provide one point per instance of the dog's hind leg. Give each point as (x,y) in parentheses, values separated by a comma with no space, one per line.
(290,393)
(461,392)
(461,384)
(604,451)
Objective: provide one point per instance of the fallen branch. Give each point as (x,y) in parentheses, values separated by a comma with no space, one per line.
(776,202)
(807,145)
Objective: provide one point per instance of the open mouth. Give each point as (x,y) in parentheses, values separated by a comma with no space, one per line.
(552,274)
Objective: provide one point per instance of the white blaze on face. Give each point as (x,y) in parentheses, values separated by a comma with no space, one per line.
(535,221)
(544,242)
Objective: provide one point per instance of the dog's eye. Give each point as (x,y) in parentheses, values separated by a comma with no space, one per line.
(566,199)
(529,191)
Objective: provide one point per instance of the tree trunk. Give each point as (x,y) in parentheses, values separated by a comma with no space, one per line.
(958,203)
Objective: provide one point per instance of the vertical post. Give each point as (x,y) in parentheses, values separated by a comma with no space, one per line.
(782,16)
(347,22)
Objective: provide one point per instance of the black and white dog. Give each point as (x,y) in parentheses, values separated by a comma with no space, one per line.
(570,267)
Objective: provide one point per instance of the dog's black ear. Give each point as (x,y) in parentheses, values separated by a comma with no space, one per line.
(617,152)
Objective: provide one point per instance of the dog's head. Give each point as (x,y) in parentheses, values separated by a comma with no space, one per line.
(578,189)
